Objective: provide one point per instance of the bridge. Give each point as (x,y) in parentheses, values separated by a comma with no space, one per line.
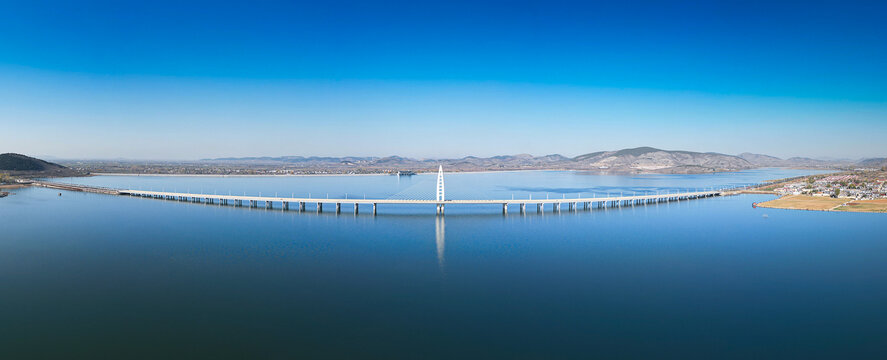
(286,203)
(303,204)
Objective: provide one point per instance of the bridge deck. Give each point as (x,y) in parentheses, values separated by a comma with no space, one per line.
(433,202)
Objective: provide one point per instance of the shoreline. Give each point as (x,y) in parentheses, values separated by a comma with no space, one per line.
(301,175)
(13,186)
(594,171)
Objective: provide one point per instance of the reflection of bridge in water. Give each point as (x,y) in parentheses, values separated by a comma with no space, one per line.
(304,204)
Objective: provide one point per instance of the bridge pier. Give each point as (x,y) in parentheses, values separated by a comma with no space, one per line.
(319,207)
(338,208)
(523,208)
(286,205)
(269,205)
(356,208)
(374,208)
(539,208)
(505,208)
(301,206)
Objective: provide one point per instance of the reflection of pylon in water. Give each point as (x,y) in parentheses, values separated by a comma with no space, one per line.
(440,240)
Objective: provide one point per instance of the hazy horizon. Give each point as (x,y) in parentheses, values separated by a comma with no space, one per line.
(50,157)
(179,81)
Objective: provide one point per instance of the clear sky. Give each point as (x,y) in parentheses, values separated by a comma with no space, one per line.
(190,80)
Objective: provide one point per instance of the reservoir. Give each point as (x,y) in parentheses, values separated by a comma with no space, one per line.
(113,276)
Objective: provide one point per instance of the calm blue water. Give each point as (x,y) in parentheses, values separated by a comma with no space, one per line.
(104,276)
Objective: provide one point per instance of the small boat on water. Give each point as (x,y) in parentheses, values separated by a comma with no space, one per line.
(3,194)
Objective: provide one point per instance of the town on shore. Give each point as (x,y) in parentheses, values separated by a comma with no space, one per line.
(855,191)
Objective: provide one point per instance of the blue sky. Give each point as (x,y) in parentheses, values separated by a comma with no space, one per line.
(187,80)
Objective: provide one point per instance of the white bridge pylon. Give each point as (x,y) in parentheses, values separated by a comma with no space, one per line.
(440,184)
(440,190)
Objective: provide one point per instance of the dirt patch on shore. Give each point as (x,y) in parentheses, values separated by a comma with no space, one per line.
(876,206)
(12,186)
(803,202)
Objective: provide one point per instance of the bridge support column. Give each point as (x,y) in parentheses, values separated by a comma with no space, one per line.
(269,205)
(319,207)
(286,205)
(356,208)
(374,208)
(338,208)
(301,206)
(505,208)
(523,208)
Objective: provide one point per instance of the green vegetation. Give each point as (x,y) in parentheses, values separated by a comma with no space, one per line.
(6,179)
(25,166)
(19,162)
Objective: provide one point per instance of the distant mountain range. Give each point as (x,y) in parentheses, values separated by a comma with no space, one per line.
(771,161)
(636,160)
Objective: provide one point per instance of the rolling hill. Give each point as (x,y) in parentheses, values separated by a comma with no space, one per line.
(18,164)
(648,159)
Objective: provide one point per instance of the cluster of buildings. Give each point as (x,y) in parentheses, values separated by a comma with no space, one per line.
(861,186)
